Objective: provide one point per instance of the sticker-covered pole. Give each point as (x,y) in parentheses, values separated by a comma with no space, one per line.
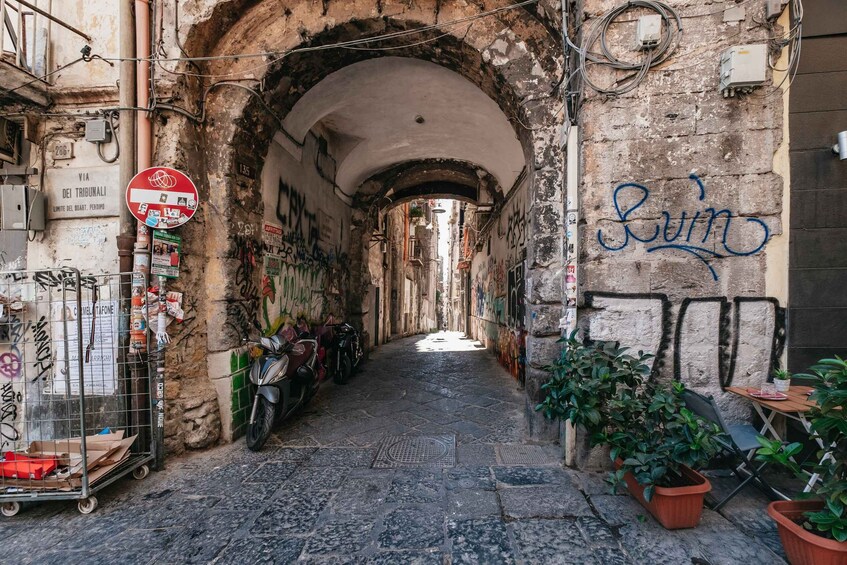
(162,340)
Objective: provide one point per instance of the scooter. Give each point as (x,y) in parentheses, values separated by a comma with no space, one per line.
(287,374)
(347,352)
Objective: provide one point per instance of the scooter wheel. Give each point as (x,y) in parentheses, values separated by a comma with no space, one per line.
(260,430)
(344,371)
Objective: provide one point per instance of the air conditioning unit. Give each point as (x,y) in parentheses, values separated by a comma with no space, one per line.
(10,141)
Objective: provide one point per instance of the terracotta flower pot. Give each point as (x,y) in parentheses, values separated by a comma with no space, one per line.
(673,507)
(802,546)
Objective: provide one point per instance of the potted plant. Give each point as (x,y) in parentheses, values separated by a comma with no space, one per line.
(655,442)
(781,380)
(814,531)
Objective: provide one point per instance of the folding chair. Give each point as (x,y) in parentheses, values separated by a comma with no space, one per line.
(740,443)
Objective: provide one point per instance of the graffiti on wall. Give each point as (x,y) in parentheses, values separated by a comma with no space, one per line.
(296,219)
(300,278)
(691,235)
(716,342)
(517,291)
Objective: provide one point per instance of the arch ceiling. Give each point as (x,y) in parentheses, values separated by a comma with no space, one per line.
(370,110)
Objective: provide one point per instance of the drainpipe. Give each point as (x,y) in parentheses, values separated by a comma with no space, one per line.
(144,126)
(143,144)
(142,48)
(126,133)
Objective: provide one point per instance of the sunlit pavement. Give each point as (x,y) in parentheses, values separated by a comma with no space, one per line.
(316,495)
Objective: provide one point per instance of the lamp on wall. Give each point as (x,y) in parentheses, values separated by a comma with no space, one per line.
(438,209)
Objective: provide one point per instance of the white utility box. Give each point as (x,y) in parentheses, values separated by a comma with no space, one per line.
(743,67)
(21,208)
(648,32)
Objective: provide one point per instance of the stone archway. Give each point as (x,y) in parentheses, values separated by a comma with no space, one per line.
(512,56)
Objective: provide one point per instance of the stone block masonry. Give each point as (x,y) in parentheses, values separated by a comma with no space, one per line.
(680,205)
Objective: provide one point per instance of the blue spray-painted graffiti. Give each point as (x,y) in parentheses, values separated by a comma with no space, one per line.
(663,238)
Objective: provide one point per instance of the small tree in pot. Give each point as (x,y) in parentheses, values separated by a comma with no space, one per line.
(654,440)
(815,531)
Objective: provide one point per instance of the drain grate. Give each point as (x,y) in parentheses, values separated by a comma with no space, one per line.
(530,455)
(416,451)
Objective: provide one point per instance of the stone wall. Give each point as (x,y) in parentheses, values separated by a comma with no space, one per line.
(498,285)
(680,208)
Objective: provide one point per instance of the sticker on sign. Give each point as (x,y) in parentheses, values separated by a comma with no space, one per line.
(162,198)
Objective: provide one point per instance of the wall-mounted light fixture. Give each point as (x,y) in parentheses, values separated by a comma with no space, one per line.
(840,148)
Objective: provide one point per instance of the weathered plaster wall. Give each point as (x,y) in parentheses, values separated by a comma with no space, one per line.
(498,286)
(681,206)
(314,226)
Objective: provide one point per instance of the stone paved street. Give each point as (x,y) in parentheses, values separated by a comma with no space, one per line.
(313,494)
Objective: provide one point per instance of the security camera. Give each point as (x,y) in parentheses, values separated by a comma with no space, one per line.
(840,148)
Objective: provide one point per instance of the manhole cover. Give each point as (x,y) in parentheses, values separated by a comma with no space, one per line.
(416,451)
(518,454)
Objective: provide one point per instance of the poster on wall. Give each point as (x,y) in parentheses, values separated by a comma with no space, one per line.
(273,265)
(272,235)
(166,252)
(100,348)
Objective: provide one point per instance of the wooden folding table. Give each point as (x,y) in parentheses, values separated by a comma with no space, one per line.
(795,407)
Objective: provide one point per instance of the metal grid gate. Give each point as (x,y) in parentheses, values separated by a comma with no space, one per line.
(75,407)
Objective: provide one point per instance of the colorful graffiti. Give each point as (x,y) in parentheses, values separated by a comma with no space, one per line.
(664,238)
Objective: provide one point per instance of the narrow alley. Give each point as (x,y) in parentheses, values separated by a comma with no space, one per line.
(335,486)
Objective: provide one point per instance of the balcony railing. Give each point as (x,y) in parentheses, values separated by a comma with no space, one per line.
(25,43)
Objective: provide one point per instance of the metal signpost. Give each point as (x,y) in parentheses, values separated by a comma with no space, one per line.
(162,198)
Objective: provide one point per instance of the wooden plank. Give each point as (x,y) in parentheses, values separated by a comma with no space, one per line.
(818,327)
(819,209)
(817,130)
(818,248)
(823,54)
(816,169)
(819,92)
(824,17)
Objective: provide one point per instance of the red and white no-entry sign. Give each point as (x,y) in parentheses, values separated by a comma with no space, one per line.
(162,198)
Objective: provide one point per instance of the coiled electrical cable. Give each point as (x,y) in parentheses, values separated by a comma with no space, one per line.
(652,55)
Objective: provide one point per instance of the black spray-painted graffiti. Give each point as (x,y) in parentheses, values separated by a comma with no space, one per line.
(295,218)
(11,363)
(767,320)
(43,351)
(665,238)
(9,401)
(242,313)
(515,228)
(516,289)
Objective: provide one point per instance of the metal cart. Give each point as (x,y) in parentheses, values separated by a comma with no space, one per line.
(75,405)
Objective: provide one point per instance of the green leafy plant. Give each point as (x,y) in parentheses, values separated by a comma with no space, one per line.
(416,212)
(829,424)
(781,375)
(603,389)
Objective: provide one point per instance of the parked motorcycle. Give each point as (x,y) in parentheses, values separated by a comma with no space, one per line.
(346,351)
(287,372)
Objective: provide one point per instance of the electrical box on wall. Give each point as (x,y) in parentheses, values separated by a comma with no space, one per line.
(98,131)
(21,208)
(743,67)
(648,31)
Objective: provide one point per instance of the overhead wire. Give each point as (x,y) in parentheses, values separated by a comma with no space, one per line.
(651,56)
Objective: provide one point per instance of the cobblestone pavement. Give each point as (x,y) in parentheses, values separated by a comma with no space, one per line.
(314,495)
